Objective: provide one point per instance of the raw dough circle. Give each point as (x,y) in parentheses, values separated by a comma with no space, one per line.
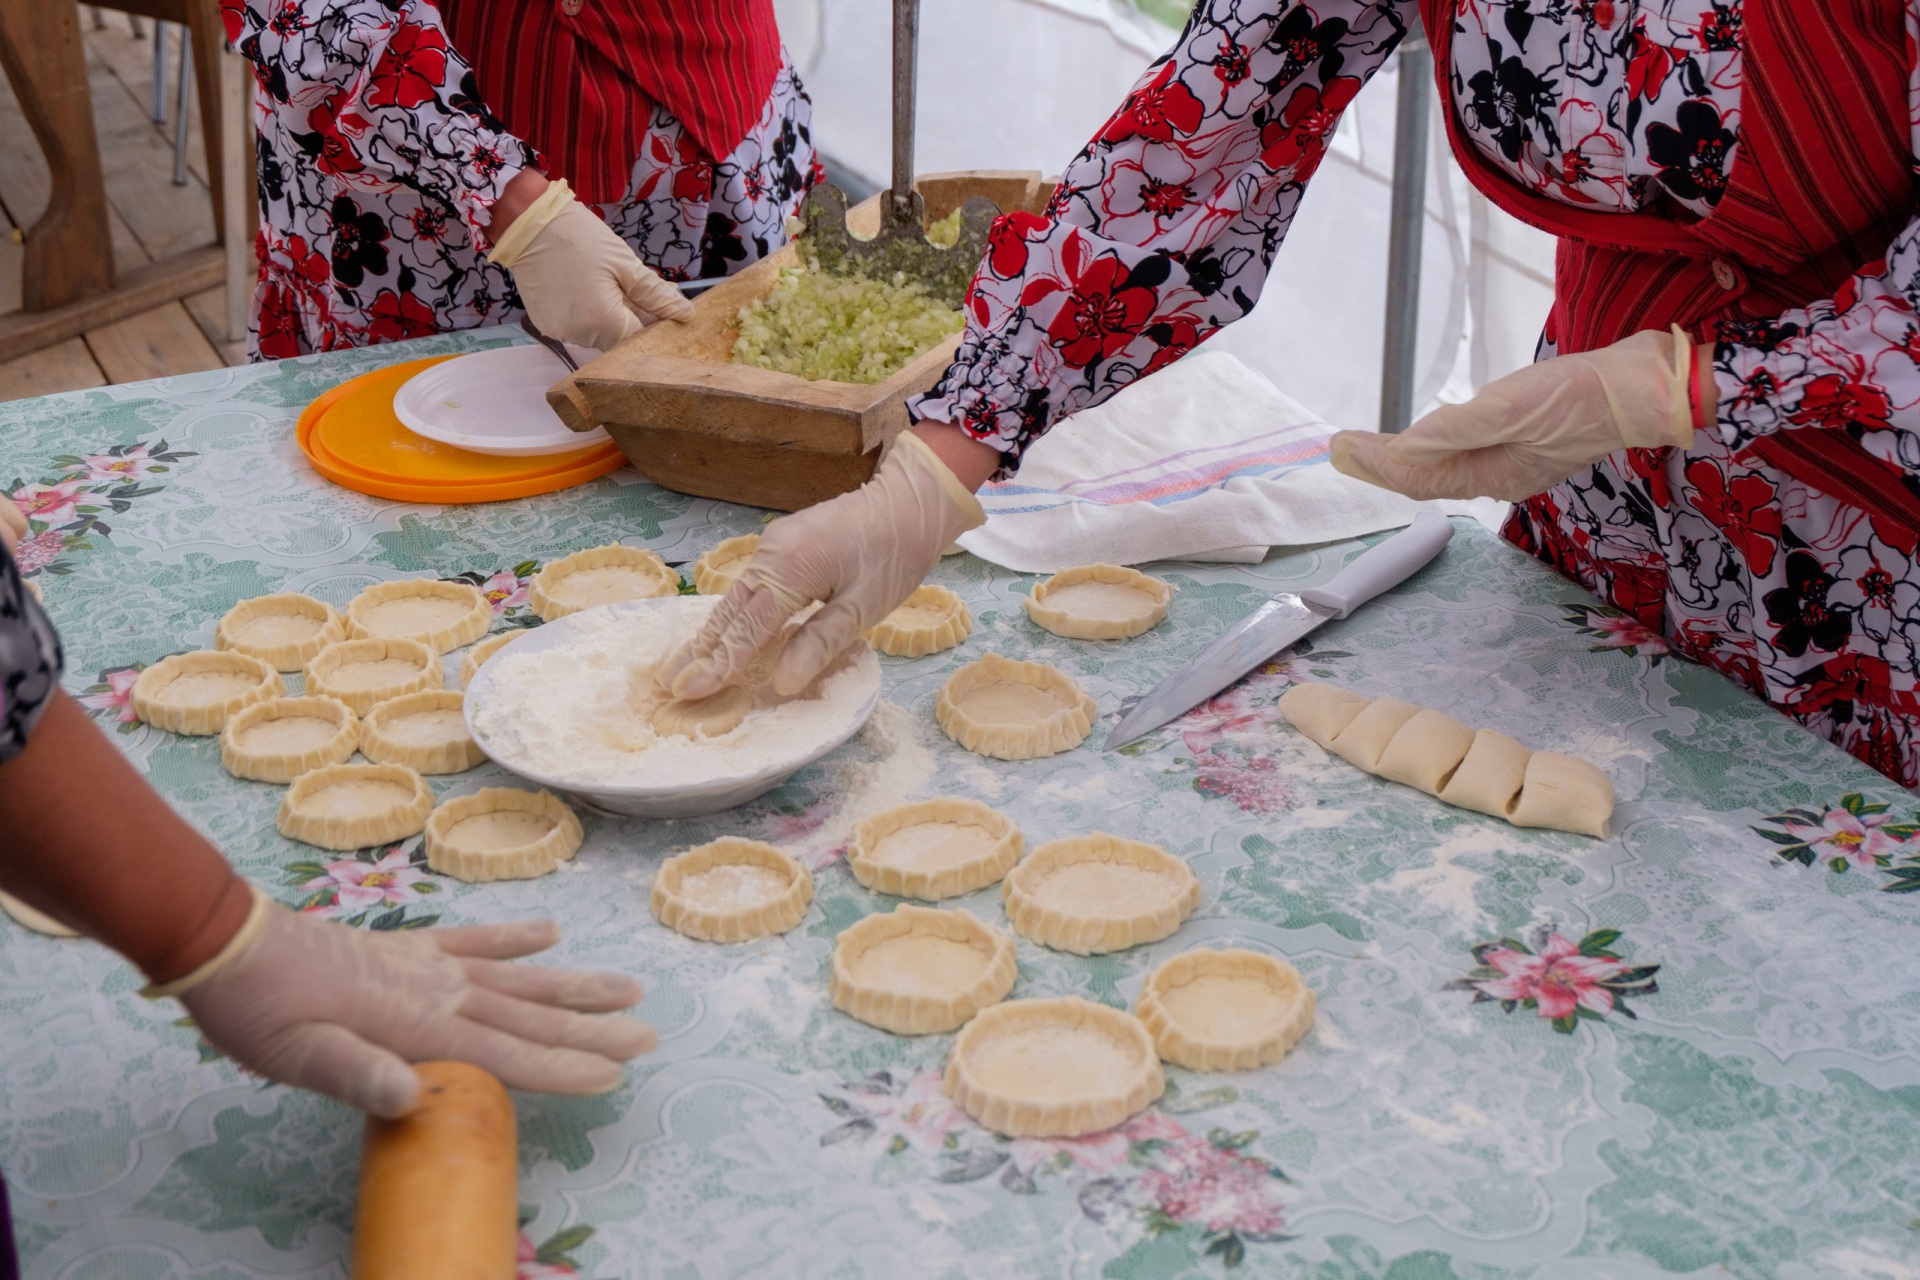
(600,575)
(32,917)
(441,615)
(425,731)
(705,718)
(1098,893)
(718,568)
(1014,710)
(194,693)
(283,631)
(352,806)
(282,738)
(1225,1010)
(915,971)
(501,833)
(730,891)
(1058,1068)
(478,655)
(934,849)
(932,620)
(365,673)
(1099,602)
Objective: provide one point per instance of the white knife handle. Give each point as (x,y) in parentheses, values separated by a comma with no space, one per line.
(1388,565)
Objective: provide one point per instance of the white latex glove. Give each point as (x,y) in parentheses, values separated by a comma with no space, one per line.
(862,553)
(13,525)
(1532,429)
(579,281)
(342,1011)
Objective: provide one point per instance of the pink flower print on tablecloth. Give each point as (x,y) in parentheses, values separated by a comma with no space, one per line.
(110,468)
(50,505)
(114,694)
(1208,1183)
(37,552)
(1612,629)
(505,590)
(1855,832)
(1203,727)
(552,1259)
(1560,979)
(353,889)
(1253,782)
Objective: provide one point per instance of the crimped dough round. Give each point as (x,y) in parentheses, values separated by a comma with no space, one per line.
(1225,1010)
(1014,710)
(284,631)
(352,806)
(424,731)
(32,917)
(365,673)
(441,615)
(730,891)
(932,620)
(934,849)
(501,833)
(1098,893)
(194,693)
(282,738)
(915,971)
(719,567)
(478,655)
(600,575)
(1056,1068)
(1099,602)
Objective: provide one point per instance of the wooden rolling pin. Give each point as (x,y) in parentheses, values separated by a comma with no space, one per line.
(439,1189)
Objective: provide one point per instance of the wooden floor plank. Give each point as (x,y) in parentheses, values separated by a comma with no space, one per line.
(66,366)
(131,61)
(138,165)
(153,344)
(209,311)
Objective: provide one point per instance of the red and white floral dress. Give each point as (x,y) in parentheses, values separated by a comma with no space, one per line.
(382,148)
(1743,168)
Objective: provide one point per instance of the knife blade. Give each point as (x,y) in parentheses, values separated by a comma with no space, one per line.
(1282,622)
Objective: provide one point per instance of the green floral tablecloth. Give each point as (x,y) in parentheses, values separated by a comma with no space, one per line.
(1688,1049)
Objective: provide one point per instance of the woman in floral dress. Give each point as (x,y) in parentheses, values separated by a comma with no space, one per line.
(400,139)
(1722,433)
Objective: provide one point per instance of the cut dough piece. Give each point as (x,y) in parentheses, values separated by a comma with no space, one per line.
(1490,776)
(1362,742)
(282,738)
(718,568)
(1426,751)
(915,971)
(194,693)
(1014,710)
(478,655)
(284,631)
(932,620)
(426,732)
(1058,1068)
(365,673)
(1321,711)
(934,849)
(32,917)
(730,891)
(352,806)
(1225,1010)
(441,615)
(501,833)
(1099,602)
(1564,793)
(1099,893)
(601,575)
(706,717)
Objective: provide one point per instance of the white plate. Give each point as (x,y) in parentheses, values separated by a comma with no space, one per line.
(494,402)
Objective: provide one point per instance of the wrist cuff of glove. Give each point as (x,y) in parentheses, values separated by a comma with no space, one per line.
(532,221)
(242,938)
(916,452)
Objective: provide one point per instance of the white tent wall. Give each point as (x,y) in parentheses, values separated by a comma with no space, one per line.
(1022,84)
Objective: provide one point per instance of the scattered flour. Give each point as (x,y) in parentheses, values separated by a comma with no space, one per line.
(903,764)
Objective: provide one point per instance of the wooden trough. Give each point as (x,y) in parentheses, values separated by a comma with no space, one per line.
(691,420)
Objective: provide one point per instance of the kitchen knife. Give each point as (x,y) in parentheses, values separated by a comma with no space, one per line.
(1283,621)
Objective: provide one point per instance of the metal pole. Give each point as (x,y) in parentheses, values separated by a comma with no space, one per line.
(180,101)
(1406,224)
(906,51)
(157,108)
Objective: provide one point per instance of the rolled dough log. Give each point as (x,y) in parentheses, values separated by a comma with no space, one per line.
(1361,743)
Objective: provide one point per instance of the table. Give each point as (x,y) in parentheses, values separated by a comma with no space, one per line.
(1739,1091)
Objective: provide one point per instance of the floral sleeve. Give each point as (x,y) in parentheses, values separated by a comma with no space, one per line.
(29,658)
(372,91)
(1164,226)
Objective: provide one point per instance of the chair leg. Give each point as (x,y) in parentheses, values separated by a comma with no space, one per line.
(181,99)
(157,105)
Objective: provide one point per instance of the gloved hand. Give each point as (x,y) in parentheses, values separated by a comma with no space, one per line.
(341,1011)
(579,281)
(862,553)
(1532,429)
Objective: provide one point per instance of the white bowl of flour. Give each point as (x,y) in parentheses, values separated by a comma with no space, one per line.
(556,707)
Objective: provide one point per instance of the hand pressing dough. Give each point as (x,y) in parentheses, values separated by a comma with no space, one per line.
(282,738)
(354,806)
(1225,1010)
(915,971)
(1099,602)
(441,615)
(194,693)
(731,890)
(719,568)
(600,575)
(365,673)
(1014,710)
(932,620)
(32,917)
(704,717)
(478,655)
(501,833)
(1484,771)
(1098,893)
(934,849)
(284,631)
(1058,1068)
(426,732)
